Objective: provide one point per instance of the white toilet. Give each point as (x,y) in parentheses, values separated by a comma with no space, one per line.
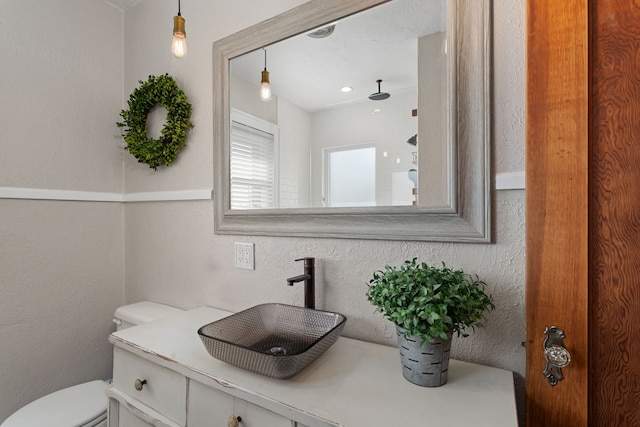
(84,405)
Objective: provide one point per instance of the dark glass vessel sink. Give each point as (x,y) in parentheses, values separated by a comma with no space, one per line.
(275,340)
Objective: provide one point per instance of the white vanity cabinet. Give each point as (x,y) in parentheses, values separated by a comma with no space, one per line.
(163,376)
(163,399)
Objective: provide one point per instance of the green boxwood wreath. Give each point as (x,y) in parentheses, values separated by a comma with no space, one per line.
(163,91)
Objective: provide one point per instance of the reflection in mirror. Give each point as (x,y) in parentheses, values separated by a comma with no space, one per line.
(371,86)
(401,154)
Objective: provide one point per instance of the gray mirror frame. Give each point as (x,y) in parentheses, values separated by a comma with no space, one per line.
(467,218)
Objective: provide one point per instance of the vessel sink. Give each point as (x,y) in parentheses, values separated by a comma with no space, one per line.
(276,340)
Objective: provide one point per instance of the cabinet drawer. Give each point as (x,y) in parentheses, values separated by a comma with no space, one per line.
(126,418)
(211,408)
(256,416)
(164,390)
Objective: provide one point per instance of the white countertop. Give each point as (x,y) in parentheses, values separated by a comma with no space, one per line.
(355,383)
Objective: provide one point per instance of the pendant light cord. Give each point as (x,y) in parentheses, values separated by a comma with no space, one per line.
(179,8)
(265,59)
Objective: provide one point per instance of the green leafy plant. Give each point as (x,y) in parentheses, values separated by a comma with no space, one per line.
(429,302)
(163,91)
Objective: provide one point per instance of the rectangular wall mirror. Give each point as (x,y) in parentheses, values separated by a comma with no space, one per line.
(361,119)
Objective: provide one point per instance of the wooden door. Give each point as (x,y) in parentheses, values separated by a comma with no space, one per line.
(557,205)
(583,209)
(614,215)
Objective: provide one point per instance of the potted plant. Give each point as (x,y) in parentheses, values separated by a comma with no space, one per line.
(428,304)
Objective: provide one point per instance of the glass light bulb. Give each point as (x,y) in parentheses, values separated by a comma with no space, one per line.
(179,46)
(265,92)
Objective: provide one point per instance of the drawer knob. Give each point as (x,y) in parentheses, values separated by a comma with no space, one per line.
(233,421)
(138,384)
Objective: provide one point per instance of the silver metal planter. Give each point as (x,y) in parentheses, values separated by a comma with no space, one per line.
(426,365)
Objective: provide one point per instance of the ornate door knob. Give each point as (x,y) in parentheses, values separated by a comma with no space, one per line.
(555,354)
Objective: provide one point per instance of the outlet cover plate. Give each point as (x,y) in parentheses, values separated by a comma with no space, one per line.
(244,255)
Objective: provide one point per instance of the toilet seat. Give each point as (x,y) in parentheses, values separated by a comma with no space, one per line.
(82,405)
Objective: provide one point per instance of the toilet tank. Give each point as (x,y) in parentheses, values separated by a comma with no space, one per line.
(142,312)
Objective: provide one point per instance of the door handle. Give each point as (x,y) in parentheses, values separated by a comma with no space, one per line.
(556,355)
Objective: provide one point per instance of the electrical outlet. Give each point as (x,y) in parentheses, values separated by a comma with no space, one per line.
(244,255)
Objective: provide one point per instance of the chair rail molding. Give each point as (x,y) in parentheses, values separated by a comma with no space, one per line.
(503,181)
(96,196)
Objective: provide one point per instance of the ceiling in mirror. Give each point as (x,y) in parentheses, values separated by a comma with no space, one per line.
(381,43)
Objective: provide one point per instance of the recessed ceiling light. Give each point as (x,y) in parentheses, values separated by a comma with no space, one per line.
(346,89)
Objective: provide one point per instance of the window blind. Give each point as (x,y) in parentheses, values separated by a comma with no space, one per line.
(252,168)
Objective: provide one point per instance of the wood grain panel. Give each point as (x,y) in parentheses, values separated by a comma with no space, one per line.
(615,215)
(557,205)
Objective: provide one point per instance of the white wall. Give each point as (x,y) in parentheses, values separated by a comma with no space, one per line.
(174,257)
(244,97)
(432,123)
(61,262)
(294,168)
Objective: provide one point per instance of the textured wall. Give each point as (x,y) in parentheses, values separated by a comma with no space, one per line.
(61,263)
(174,257)
(61,86)
(61,278)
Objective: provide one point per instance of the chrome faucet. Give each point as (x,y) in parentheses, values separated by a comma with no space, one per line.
(309,282)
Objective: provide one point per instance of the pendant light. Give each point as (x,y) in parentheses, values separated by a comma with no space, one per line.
(179,43)
(265,88)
